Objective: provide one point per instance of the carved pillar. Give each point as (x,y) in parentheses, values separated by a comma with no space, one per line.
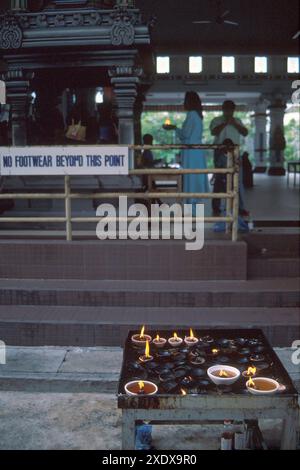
(138,110)
(125,82)
(260,140)
(277,140)
(17,86)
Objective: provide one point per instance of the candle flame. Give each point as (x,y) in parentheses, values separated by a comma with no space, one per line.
(223,373)
(167,122)
(141,385)
(215,351)
(175,336)
(251,371)
(250,383)
(142,332)
(157,338)
(147,350)
(191,333)
(183,392)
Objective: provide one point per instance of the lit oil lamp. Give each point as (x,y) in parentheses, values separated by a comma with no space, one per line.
(168,122)
(223,375)
(141,338)
(146,357)
(175,341)
(140,388)
(159,342)
(215,351)
(191,340)
(183,392)
(250,372)
(262,386)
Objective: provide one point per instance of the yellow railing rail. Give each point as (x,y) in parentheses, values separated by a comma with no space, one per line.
(231,195)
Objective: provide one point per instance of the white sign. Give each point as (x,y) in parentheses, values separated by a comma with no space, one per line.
(69,160)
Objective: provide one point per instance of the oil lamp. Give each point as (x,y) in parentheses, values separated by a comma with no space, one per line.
(250,372)
(140,388)
(191,340)
(167,122)
(159,342)
(140,339)
(223,375)
(215,352)
(183,392)
(146,357)
(262,386)
(175,341)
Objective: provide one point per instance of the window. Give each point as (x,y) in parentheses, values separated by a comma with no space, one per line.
(195,64)
(293,64)
(260,64)
(163,64)
(228,64)
(99,97)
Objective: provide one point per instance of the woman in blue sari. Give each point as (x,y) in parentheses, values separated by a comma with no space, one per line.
(191,133)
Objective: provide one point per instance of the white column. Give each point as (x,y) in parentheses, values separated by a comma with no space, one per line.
(260,139)
(277,140)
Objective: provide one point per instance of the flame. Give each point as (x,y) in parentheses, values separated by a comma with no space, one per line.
(223,373)
(167,122)
(175,336)
(141,385)
(250,383)
(183,392)
(157,338)
(251,371)
(147,350)
(215,351)
(142,332)
(191,333)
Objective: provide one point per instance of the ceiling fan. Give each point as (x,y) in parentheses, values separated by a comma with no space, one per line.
(220,17)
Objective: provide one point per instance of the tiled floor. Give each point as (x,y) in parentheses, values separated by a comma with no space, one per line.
(272,199)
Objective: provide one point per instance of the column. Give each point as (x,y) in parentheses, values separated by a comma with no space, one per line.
(17,86)
(138,110)
(260,139)
(125,82)
(277,140)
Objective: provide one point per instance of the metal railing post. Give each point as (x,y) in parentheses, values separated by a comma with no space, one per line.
(68,209)
(230,159)
(235,212)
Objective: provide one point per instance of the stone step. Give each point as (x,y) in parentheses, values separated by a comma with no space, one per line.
(79,370)
(61,369)
(282,243)
(122,260)
(34,325)
(273,268)
(253,293)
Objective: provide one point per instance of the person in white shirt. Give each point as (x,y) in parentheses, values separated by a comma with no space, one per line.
(223,128)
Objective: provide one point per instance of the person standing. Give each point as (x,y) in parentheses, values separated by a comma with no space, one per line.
(222,128)
(191,133)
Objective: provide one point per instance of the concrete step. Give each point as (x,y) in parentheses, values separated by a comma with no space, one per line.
(273,268)
(282,243)
(34,325)
(61,369)
(253,293)
(122,260)
(79,370)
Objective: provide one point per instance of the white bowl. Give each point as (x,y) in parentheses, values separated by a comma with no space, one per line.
(135,382)
(223,380)
(257,380)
